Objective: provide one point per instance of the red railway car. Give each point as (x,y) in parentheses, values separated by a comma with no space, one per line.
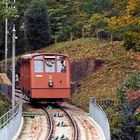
(45,76)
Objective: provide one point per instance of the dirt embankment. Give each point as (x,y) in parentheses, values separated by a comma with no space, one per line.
(82,69)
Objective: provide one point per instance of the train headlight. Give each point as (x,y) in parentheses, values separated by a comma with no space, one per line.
(50,83)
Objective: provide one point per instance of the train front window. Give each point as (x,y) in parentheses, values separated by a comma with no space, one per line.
(38,66)
(50,64)
(38,57)
(61,64)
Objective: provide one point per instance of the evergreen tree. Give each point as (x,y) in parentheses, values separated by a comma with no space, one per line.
(102,6)
(37,25)
(61,20)
(22,40)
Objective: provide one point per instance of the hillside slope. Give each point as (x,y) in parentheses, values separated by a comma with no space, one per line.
(104,82)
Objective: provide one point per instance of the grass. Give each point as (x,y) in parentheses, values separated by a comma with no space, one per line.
(104,82)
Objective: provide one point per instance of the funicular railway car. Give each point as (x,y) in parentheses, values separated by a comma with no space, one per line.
(45,76)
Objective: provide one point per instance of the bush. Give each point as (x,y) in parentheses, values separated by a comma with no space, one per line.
(127,126)
(129,43)
(3,107)
(134,82)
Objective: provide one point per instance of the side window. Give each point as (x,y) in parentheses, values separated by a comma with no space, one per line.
(50,65)
(61,64)
(38,66)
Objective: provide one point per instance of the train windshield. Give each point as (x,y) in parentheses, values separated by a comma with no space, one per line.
(49,63)
(61,64)
(38,64)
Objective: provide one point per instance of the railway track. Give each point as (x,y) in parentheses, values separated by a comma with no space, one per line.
(24,97)
(73,123)
(63,123)
(88,130)
(48,134)
(62,119)
(50,124)
(53,130)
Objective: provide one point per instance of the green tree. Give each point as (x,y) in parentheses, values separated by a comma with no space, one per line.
(37,25)
(127,28)
(22,39)
(104,7)
(133,8)
(9,13)
(120,7)
(95,25)
(61,17)
(128,121)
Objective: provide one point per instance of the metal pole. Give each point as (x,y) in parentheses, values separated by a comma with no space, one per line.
(13,66)
(6,38)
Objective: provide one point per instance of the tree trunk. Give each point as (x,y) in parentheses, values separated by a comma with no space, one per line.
(111,38)
(71,36)
(83,32)
(55,39)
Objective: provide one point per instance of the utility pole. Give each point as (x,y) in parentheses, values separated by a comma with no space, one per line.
(13,63)
(6,38)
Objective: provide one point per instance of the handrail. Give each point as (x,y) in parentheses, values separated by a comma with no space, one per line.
(11,121)
(4,119)
(98,114)
(102,111)
(12,114)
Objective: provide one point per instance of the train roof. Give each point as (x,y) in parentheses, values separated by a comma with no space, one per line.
(29,56)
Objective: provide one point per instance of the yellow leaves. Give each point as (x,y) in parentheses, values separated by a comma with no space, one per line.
(133,7)
(112,21)
(139,22)
(126,20)
(122,21)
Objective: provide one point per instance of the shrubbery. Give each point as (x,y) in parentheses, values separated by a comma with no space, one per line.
(123,118)
(4,104)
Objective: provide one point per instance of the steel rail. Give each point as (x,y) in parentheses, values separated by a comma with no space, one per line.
(18,93)
(49,136)
(73,123)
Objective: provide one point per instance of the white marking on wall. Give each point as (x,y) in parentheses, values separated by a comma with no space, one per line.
(38,75)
